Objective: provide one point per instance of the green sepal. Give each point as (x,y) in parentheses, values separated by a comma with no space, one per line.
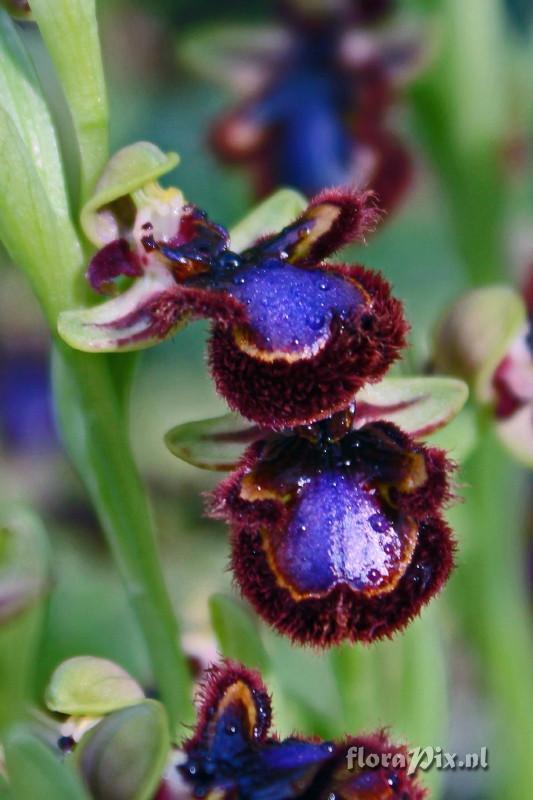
(274,213)
(476,332)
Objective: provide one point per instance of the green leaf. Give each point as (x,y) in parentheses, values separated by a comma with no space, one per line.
(89,686)
(476,332)
(216,443)
(70,31)
(21,97)
(129,170)
(237,56)
(24,574)
(35,238)
(123,757)
(36,772)
(417,405)
(237,633)
(277,211)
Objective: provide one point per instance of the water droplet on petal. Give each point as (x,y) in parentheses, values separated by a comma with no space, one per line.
(379,522)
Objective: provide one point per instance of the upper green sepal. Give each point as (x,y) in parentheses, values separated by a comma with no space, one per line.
(89,686)
(274,213)
(126,173)
(123,757)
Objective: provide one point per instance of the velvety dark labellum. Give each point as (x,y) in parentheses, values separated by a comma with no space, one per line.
(233,754)
(338,537)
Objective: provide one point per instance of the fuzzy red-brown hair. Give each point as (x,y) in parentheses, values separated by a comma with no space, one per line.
(343,614)
(280,394)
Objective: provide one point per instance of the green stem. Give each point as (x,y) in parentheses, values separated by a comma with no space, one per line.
(490,589)
(92,419)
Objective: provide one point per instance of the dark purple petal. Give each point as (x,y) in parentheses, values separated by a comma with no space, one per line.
(109,263)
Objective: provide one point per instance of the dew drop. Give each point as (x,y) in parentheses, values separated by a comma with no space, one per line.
(379,522)
(373,575)
(316,323)
(324,286)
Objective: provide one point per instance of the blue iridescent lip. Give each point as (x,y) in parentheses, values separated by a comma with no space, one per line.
(340,532)
(290,307)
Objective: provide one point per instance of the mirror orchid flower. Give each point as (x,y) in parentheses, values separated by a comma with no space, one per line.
(233,753)
(293,334)
(337,530)
(316,95)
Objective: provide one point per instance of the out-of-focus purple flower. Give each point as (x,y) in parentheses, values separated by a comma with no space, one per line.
(26,416)
(318,114)
(233,754)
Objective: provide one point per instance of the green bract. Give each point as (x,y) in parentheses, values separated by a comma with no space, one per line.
(89,686)
(70,32)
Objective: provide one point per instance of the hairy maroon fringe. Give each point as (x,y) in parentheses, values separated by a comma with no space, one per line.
(359,215)
(280,394)
(343,614)
(218,678)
